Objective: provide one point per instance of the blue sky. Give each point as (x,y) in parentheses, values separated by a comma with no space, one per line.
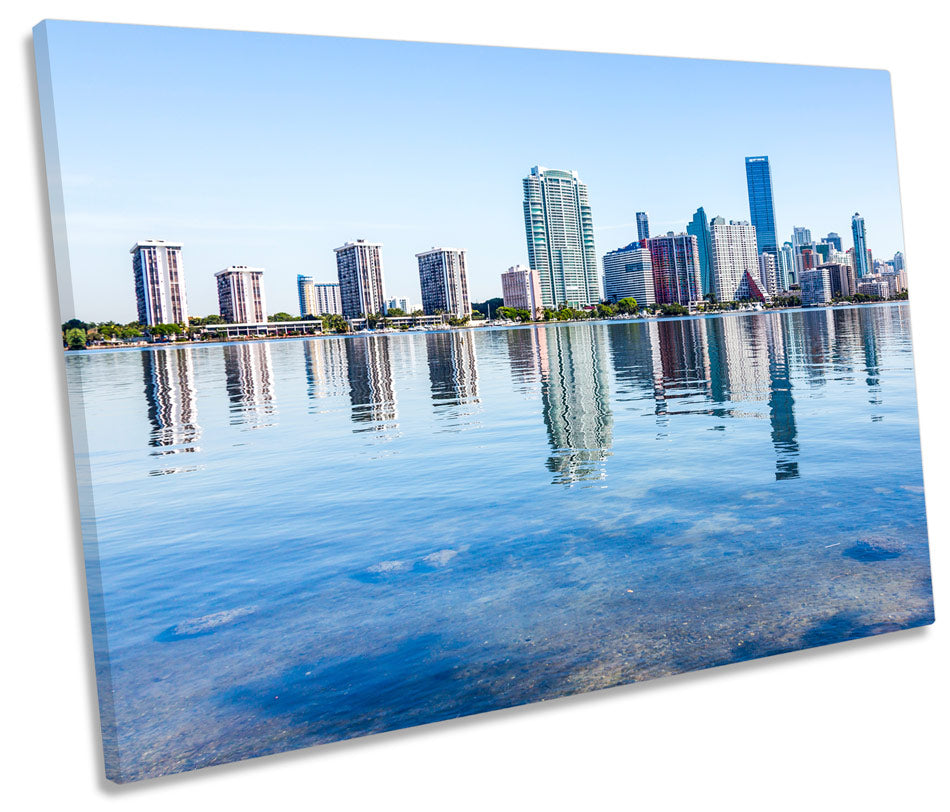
(271,150)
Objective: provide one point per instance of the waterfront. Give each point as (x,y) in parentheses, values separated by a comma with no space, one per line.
(306,540)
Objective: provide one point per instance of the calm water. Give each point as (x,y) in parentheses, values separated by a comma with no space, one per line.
(307,540)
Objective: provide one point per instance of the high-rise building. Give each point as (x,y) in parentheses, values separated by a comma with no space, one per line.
(734,252)
(318,298)
(521,289)
(841,277)
(699,228)
(787,265)
(676,276)
(443,282)
(560,234)
(628,272)
(643,225)
(801,236)
(768,273)
(398,303)
(862,266)
(898,261)
(241,297)
(359,267)
(816,287)
(159,282)
(834,240)
(809,259)
(305,299)
(761,207)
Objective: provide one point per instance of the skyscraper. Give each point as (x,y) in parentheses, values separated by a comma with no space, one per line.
(761,207)
(443,282)
(359,266)
(699,228)
(801,236)
(734,252)
(899,261)
(643,225)
(241,295)
(834,240)
(816,287)
(628,272)
(862,266)
(787,267)
(560,233)
(305,298)
(521,289)
(675,260)
(159,282)
(768,273)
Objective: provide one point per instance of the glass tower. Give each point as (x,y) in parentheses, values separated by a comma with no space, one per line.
(758,175)
(861,266)
(699,228)
(560,233)
(643,225)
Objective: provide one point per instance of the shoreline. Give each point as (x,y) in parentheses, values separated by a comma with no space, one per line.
(514,326)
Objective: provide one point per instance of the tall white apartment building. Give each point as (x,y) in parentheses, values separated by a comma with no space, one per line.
(768,273)
(159,283)
(359,266)
(734,252)
(443,282)
(521,289)
(241,297)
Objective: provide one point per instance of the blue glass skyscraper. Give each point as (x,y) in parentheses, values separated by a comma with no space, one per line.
(643,225)
(860,246)
(699,228)
(758,175)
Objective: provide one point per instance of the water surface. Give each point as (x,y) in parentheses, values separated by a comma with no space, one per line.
(293,542)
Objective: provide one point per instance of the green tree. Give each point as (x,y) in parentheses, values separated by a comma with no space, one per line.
(628,305)
(76,338)
(281,317)
(395,312)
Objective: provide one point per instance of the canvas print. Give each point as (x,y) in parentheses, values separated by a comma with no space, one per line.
(410,381)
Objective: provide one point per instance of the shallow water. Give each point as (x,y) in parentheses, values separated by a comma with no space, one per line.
(299,541)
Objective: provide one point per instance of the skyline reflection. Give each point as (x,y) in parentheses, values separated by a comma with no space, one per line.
(731,368)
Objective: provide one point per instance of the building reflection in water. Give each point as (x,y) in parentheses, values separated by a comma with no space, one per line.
(453,373)
(575,397)
(172,402)
(370,375)
(325,369)
(781,402)
(528,358)
(249,379)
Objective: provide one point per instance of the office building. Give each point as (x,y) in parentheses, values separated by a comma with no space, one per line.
(628,272)
(521,289)
(359,267)
(816,287)
(443,282)
(560,233)
(643,225)
(788,266)
(676,275)
(699,228)
(833,240)
(808,259)
(734,250)
(241,297)
(841,278)
(801,236)
(159,283)
(761,207)
(768,273)
(899,261)
(862,266)
(875,287)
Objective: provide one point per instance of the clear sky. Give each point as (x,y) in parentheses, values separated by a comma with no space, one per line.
(271,150)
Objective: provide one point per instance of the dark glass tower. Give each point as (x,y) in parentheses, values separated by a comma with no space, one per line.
(643,225)
(758,175)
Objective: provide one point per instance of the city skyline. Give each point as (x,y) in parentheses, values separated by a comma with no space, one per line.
(283,198)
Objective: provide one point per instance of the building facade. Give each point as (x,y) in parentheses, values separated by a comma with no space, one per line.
(761,206)
(398,303)
(318,298)
(816,287)
(443,282)
(560,233)
(305,299)
(241,297)
(841,277)
(699,228)
(787,266)
(643,225)
(359,267)
(159,283)
(833,240)
(735,251)
(768,273)
(521,289)
(628,272)
(676,274)
(862,266)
